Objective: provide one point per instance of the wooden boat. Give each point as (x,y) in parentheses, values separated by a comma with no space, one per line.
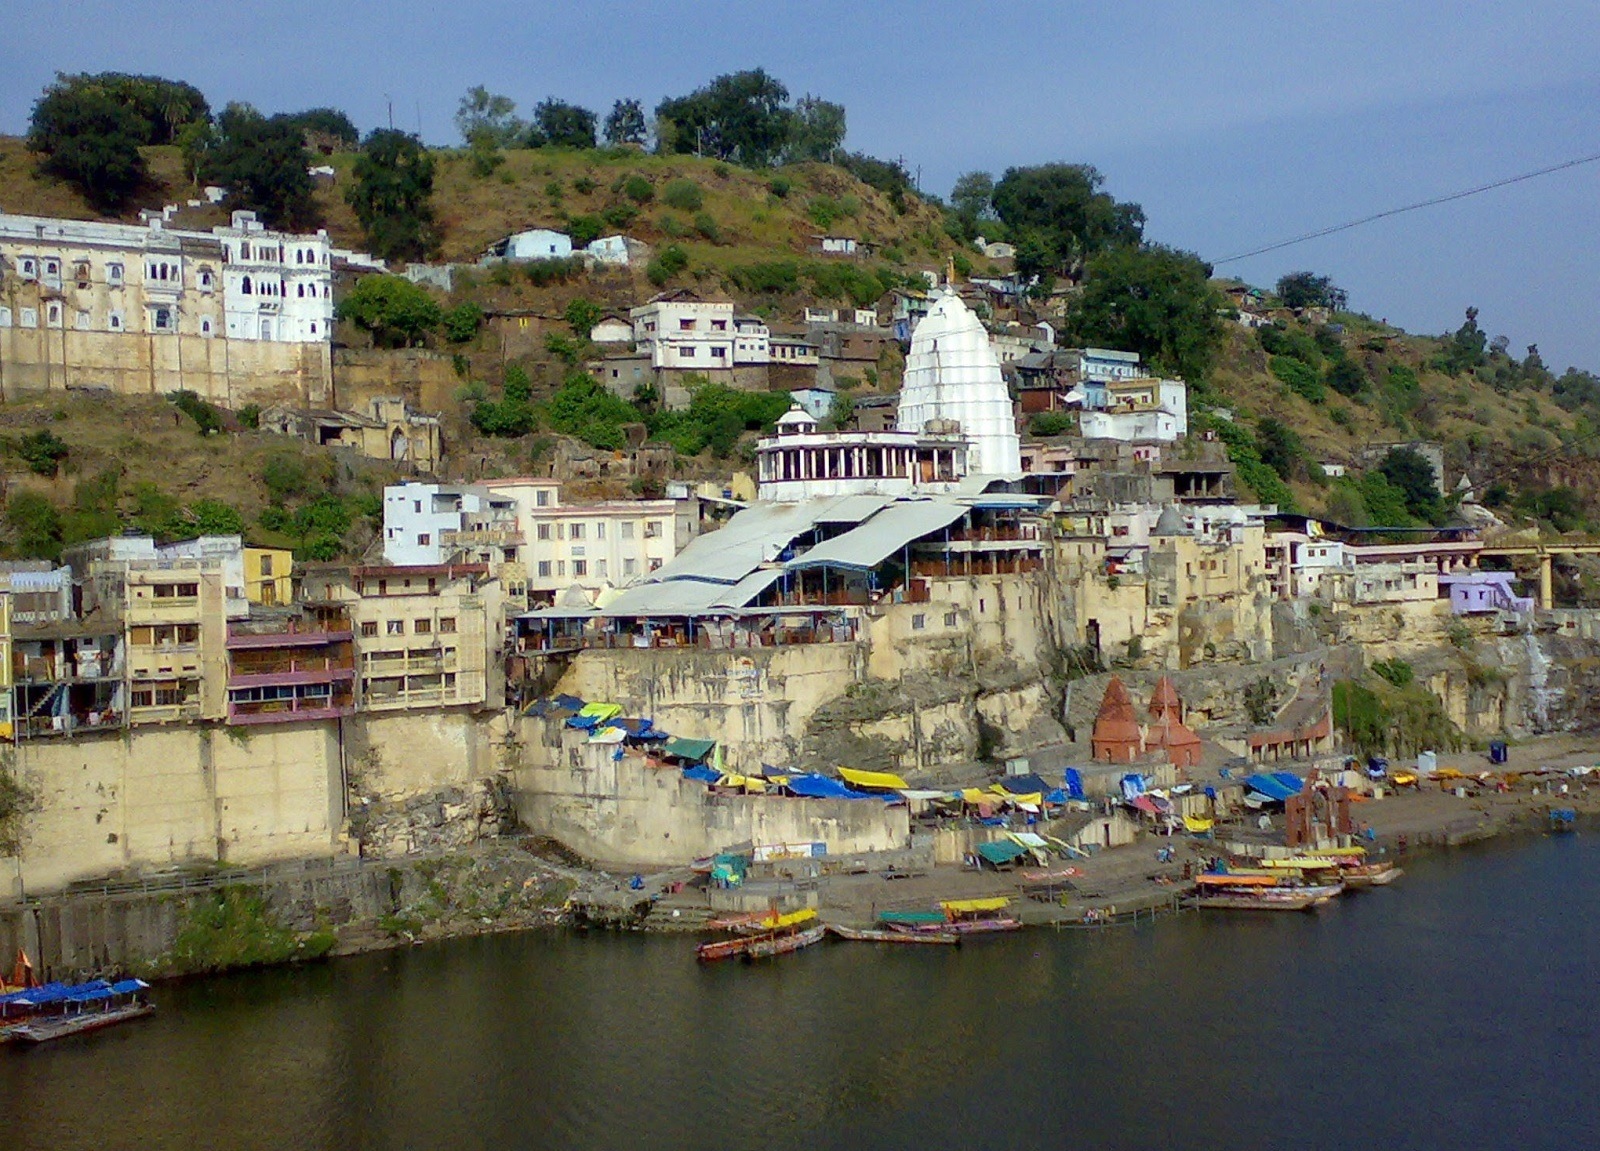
(766,946)
(770,934)
(955,917)
(87,1007)
(876,935)
(1346,865)
(1379,874)
(1259,891)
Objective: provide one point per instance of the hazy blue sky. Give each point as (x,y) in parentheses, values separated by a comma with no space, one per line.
(1233,124)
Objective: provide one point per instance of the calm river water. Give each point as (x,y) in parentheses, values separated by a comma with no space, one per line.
(1459,1009)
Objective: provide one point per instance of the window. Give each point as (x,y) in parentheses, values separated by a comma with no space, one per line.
(424,539)
(52,314)
(654,564)
(652,529)
(685,325)
(600,569)
(395,627)
(244,287)
(949,619)
(918,622)
(627,529)
(600,530)
(686,353)
(115,321)
(28,318)
(266,565)
(423,627)
(52,268)
(561,567)
(80,272)
(205,281)
(630,567)
(80,320)
(161,319)
(580,567)
(5,317)
(544,531)
(205,325)
(544,569)
(30,268)
(719,325)
(447,625)
(244,254)
(576,532)
(541,499)
(719,353)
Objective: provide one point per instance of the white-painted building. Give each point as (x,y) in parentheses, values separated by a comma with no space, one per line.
(799,463)
(1136,409)
(616,251)
(611,330)
(952,375)
(275,286)
(534,244)
(685,334)
(752,341)
(427,523)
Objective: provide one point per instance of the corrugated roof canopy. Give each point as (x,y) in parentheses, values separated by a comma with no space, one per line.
(868,545)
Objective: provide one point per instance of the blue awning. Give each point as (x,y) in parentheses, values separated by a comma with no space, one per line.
(1024,784)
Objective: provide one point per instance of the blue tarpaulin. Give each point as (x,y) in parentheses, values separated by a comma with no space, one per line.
(701,772)
(824,787)
(1290,780)
(1270,786)
(1074,783)
(1024,784)
(1133,785)
(1055,795)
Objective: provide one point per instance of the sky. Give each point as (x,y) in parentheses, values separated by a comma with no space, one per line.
(1235,125)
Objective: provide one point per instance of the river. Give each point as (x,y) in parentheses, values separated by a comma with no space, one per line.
(1456,1009)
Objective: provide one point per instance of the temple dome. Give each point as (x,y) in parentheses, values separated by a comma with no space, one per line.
(952,374)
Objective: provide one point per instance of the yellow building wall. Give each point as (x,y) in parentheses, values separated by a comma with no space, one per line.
(268,575)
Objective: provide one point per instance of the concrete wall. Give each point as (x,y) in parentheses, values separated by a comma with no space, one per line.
(425,379)
(620,810)
(170,796)
(398,754)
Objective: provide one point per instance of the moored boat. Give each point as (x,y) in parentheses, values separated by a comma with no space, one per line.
(766,946)
(876,935)
(762,936)
(955,917)
(77,1010)
(1259,891)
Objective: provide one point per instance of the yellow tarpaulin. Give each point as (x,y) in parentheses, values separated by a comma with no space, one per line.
(601,711)
(1197,825)
(882,780)
(974,795)
(804,915)
(962,906)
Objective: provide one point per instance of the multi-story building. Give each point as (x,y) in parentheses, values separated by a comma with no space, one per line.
(292,666)
(100,564)
(427,523)
(426,636)
(682,333)
(1137,408)
(176,635)
(238,314)
(67,670)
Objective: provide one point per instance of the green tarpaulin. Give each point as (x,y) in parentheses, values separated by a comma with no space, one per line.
(1001,851)
(694,750)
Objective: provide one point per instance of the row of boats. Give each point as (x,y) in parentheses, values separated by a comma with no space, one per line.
(1297,883)
(761,936)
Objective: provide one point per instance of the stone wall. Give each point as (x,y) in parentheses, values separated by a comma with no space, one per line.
(425,379)
(622,811)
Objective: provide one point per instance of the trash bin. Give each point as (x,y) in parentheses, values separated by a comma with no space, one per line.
(1497,751)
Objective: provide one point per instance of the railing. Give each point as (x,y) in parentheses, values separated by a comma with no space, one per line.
(402,665)
(997,535)
(76,723)
(979,563)
(469,536)
(243,667)
(280,710)
(163,712)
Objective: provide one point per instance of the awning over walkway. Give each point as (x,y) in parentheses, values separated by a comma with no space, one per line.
(865,547)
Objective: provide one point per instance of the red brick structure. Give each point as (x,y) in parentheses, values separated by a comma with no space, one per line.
(1117,737)
(1167,730)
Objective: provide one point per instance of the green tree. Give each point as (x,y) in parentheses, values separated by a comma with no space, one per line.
(35,525)
(1347,378)
(391,195)
(582,315)
(1299,377)
(397,312)
(683,195)
(1156,301)
(215,518)
(1280,448)
(91,141)
(582,407)
(667,263)
(973,194)
(741,117)
(559,124)
(1465,350)
(463,322)
(1063,206)
(1309,290)
(263,163)
(1409,471)
(325,129)
(1385,503)
(207,417)
(161,106)
(625,123)
(638,189)
(481,114)
(816,130)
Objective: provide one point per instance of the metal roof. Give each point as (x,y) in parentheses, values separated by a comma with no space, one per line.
(691,596)
(866,546)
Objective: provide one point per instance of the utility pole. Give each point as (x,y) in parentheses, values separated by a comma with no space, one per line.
(388,99)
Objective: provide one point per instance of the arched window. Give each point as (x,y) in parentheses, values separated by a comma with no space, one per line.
(245,287)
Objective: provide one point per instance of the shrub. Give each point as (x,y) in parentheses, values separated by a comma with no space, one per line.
(780,186)
(461,323)
(1051,424)
(250,416)
(620,215)
(638,189)
(582,315)
(583,185)
(667,263)
(36,526)
(774,276)
(208,419)
(397,312)
(683,195)
(43,452)
(1299,377)
(1396,671)
(582,407)
(823,211)
(672,226)
(585,230)
(1347,378)
(707,227)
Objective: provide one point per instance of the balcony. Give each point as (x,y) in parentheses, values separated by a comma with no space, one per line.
(252,641)
(283,667)
(414,663)
(73,723)
(165,712)
(481,537)
(289,710)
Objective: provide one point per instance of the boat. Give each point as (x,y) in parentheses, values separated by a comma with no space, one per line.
(1347,865)
(955,917)
(766,935)
(878,935)
(766,946)
(87,1007)
(1259,891)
